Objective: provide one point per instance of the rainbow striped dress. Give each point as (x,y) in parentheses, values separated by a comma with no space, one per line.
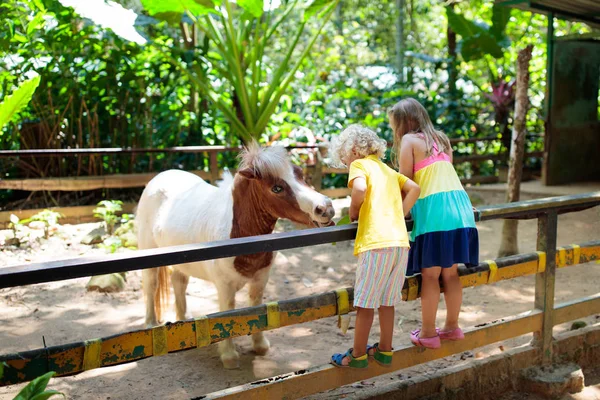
(444,231)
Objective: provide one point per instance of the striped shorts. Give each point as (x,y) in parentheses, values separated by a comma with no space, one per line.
(380,277)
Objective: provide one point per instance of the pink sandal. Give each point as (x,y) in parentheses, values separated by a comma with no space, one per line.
(455,334)
(430,343)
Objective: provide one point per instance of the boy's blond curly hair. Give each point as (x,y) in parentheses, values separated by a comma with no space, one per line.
(364,141)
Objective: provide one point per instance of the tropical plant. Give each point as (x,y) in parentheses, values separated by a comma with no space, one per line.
(17,100)
(239,36)
(49,218)
(107,211)
(36,389)
(488,42)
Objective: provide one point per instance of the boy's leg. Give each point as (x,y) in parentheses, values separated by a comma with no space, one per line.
(364,320)
(367,295)
(386,323)
(430,297)
(392,294)
(452,296)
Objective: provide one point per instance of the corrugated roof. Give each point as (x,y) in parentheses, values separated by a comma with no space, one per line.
(587,11)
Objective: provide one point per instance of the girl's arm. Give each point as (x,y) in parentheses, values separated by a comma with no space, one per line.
(359,191)
(411,193)
(449,152)
(407,157)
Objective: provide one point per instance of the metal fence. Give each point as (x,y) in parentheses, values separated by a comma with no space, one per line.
(77,357)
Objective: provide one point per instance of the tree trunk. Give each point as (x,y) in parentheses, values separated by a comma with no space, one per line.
(400,40)
(509,244)
(339,24)
(452,71)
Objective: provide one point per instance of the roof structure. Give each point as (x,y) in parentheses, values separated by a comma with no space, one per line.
(587,11)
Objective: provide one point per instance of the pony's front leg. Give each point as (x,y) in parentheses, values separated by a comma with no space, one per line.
(150,285)
(255,294)
(229,355)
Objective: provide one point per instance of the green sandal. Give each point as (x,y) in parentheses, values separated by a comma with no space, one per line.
(382,357)
(358,362)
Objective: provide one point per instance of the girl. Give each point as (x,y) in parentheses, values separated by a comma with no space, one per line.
(444,231)
(381,241)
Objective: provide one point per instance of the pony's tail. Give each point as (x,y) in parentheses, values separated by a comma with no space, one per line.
(161,296)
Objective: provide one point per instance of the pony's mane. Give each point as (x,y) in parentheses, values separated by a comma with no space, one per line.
(269,161)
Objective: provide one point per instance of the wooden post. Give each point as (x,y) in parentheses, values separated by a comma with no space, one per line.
(509,245)
(317,173)
(544,284)
(214,167)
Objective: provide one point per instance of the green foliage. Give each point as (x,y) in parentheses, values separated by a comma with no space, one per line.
(17,100)
(36,389)
(212,77)
(19,226)
(108,210)
(21,235)
(345,220)
(239,41)
(478,38)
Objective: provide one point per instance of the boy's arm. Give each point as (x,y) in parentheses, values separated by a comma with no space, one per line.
(411,193)
(359,191)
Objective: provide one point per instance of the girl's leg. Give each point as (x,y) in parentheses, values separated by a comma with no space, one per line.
(452,296)
(386,323)
(430,297)
(364,321)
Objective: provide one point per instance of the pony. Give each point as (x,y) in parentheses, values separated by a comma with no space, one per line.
(178,207)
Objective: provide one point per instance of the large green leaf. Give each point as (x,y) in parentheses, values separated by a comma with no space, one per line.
(316,7)
(172,10)
(500,17)
(47,394)
(254,7)
(477,46)
(17,100)
(461,25)
(36,389)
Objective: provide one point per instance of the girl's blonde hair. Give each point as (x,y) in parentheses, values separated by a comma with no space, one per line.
(356,137)
(409,116)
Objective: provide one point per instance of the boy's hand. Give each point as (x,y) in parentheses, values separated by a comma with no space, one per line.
(359,191)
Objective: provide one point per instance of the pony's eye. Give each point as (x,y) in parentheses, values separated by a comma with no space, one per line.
(277,189)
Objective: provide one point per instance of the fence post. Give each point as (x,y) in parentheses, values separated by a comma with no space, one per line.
(544,284)
(317,173)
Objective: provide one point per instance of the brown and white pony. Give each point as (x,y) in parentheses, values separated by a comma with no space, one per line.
(178,208)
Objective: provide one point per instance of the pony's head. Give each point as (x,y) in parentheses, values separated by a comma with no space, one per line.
(278,187)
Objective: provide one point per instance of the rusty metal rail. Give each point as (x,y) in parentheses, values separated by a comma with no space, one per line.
(127,347)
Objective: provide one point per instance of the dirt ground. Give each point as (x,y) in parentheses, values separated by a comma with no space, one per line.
(64,312)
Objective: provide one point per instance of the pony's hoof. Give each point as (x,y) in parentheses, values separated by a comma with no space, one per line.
(261,347)
(231,360)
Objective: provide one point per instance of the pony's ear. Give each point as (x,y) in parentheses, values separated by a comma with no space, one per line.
(249,173)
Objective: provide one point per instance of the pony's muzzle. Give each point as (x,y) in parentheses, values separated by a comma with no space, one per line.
(326,211)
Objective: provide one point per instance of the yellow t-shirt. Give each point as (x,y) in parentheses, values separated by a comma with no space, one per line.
(381,218)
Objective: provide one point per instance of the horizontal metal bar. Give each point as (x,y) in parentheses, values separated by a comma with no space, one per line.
(152,258)
(176,149)
(89,266)
(534,208)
